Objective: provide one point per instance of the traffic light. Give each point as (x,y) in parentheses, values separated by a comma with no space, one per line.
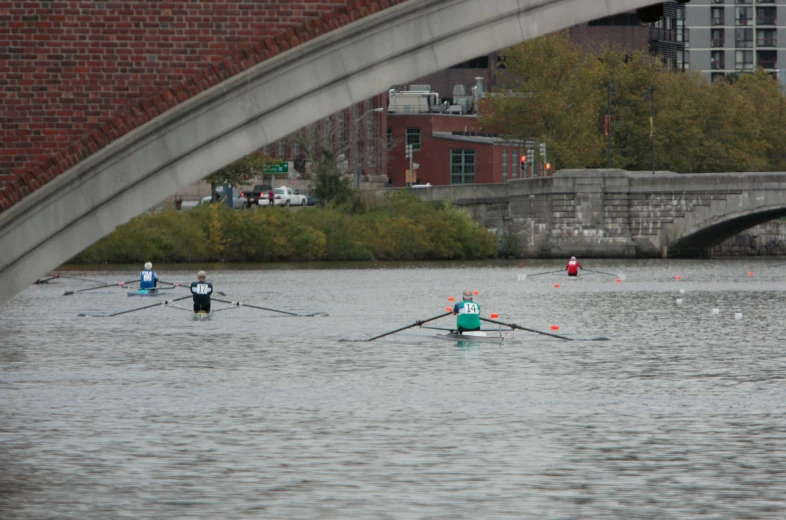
(523,163)
(408,151)
(531,161)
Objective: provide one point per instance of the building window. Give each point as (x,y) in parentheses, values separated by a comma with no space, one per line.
(618,20)
(765,15)
(718,17)
(743,60)
(462,166)
(766,38)
(743,2)
(767,59)
(514,164)
(481,62)
(717,76)
(717,60)
(743,38)
(281,149)
(390,139)
(718,38)
(413,138)
(743,16)
(265,151)
(504,165)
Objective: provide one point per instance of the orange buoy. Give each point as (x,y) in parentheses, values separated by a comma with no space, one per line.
(476,293)
(618,280)
(494,315)
(750,273)
(450,298)
(556,286)
(677,277)
(555,327)
(449,309)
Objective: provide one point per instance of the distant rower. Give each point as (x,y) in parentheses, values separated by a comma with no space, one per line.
(148,279)
(573,267)
(201,290)
(468,313)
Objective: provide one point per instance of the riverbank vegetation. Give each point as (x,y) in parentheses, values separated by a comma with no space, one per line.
(396,227)
(557,92)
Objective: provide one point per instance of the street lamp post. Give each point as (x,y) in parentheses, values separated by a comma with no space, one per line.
(355,162)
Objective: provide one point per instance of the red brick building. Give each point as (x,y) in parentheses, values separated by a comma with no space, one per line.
(449,150)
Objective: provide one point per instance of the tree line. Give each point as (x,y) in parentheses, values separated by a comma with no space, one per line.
(557,92)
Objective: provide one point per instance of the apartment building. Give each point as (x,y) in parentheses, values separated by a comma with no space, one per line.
(736,36)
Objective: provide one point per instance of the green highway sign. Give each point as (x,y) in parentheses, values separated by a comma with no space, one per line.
(277,168)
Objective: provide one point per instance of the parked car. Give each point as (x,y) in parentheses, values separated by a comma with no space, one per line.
(256,194)
(285,196)
(312,201)
(238,200)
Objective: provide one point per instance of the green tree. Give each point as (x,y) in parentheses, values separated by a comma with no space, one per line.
(549,89)
(239,171)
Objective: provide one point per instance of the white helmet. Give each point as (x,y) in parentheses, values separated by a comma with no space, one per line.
(572,257)
(148,266)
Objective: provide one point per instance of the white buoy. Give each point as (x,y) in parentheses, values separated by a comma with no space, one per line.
(522,277)
(682,291)
(678,301)
(715,311)
(738,316)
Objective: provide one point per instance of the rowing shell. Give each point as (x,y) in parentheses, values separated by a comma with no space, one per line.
(472,336)
(201,315)
(146,292)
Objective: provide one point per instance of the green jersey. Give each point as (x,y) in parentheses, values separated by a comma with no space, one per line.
(468,315)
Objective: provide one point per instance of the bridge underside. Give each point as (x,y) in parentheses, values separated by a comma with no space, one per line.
(699,244)
(258,106)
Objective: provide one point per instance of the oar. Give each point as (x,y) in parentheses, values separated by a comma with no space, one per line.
(69,293)
(239,304)
(78,278)
(416,324)
(167,302)
(44,280)
(525,276)
(514,326)
(600,272)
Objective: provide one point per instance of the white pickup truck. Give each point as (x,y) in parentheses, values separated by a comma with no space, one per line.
(285,196)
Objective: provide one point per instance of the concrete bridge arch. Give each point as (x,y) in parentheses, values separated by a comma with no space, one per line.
(104,188)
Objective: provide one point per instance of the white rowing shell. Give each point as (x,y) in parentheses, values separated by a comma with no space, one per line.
(472,336)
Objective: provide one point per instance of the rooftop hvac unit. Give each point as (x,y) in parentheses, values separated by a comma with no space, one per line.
(420,88)
(459,90)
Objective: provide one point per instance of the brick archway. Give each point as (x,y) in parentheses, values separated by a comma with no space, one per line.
(258,95)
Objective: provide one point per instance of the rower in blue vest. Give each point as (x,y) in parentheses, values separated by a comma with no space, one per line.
(148,279)
(468,313)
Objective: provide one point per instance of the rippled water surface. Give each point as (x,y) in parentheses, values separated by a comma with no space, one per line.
(252,415)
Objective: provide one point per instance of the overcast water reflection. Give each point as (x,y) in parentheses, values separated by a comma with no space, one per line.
(253,415)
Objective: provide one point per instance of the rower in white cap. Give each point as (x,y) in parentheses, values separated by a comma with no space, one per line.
(148,279)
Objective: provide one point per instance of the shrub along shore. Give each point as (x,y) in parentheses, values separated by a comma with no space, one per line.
(398,227)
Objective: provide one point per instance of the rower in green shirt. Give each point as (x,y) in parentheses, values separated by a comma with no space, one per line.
(468,313)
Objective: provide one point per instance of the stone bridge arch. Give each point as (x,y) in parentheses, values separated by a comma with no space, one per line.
(699,241)
(98,188)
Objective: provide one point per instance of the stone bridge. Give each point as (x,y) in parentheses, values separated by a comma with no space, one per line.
(615,213)
(107,108)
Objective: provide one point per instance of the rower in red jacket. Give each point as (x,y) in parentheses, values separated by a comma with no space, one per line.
(573,267)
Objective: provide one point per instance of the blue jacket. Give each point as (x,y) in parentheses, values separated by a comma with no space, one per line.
(148,279)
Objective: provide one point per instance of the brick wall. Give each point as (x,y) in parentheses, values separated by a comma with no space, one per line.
(75,75)
(434,154)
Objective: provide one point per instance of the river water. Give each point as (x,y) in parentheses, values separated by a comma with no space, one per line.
(251,415)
